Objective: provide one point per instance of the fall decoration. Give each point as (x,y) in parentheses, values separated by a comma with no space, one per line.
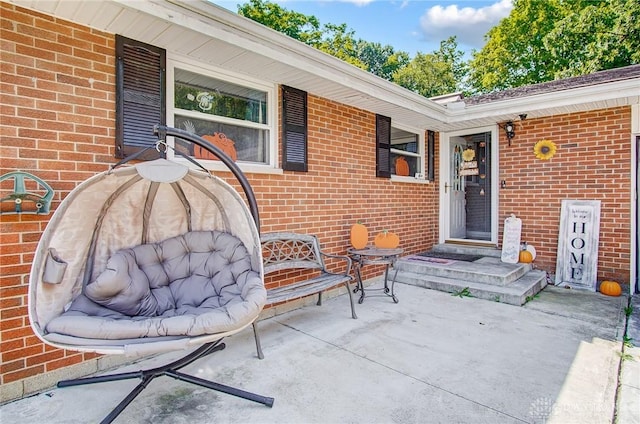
(610,288)
(359,236)
(525,257)
(219,140)
(468,154)
(386,240)
(544,149)
(402,167)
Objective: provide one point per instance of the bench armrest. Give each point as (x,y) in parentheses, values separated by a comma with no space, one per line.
(348,260)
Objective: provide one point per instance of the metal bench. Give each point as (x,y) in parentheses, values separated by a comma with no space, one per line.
(290,251)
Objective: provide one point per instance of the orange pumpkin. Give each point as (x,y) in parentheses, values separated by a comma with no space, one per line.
(525,257)
(386,240)
(610,288)
(219,140)
(359,236)
(402,166)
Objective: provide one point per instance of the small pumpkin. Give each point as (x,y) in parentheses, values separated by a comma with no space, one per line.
(386,240)
(525,257)
(610,288)
(359,235)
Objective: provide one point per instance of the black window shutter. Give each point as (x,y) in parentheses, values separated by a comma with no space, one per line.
(431,151)
(383,146)
(294,126)
(140,96)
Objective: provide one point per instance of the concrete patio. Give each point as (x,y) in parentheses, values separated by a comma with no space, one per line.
(431,358)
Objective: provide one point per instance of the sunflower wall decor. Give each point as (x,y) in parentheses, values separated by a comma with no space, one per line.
(544,149)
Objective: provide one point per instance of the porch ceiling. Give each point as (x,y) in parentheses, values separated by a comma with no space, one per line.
(208,33)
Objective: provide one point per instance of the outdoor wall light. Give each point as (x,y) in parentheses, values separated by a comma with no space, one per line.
(509,130)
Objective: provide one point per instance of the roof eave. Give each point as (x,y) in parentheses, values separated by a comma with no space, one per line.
(617,93)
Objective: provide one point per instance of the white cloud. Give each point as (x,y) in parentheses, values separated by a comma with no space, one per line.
(469,24)
(357,2)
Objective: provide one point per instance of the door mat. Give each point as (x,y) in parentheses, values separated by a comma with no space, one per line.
(450,256)
(427,260)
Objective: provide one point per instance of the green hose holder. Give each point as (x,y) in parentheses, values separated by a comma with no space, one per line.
(21,198)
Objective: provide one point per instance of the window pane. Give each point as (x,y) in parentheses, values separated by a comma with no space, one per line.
(404,140)
(216,97)
(250,143)
(405,164)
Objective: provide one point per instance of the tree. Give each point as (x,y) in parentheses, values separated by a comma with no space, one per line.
(602,35)
(436,73)
(381,60)
(452,56)
(432,74)
(544,40)
(339,42)
(296,25)
(514,54)
(335,40)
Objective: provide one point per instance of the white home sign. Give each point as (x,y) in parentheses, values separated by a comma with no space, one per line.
(577,263)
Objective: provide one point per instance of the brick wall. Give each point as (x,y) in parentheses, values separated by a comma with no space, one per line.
(592,162)
(57,122)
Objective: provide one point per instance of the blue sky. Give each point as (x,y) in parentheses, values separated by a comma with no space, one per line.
(412,26)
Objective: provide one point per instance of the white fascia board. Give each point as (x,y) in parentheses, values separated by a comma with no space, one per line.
(628,91)
(257,38)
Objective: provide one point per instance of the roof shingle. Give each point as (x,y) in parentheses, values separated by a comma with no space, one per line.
(600,77)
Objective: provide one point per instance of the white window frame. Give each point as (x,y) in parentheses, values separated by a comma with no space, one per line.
(272,166)
(420,154)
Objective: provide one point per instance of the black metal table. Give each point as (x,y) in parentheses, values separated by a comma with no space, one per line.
(375,256)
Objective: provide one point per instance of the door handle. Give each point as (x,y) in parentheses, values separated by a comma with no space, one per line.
(446,186)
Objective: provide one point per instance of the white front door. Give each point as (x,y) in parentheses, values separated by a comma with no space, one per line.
(458,219)
(468,194)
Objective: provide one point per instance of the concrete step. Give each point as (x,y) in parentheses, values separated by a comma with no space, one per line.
(487,270)
(486,278)
(517,293)
(468,249)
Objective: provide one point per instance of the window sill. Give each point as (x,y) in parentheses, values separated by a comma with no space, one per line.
(399,179)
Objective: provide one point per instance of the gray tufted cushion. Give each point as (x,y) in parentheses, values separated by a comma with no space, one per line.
(175,276)
(184,285)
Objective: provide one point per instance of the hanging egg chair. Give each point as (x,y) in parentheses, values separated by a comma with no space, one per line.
(149,258)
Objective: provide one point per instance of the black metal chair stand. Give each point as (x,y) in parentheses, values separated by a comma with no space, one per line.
(170,370)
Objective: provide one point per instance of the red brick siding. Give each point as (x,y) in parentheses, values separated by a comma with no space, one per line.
(57,122)
(592,162)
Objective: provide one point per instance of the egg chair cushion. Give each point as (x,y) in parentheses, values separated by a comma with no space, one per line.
(200,282)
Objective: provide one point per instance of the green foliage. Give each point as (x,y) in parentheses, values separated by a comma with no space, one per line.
(381,60)
(603,34)
(626,356)
(436,73)
(296,25)
(546,40)
(431,74)
(340,42)
(335,40)
(539,41)
(627,341)
(514,54)
(465,292)
(628,310)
